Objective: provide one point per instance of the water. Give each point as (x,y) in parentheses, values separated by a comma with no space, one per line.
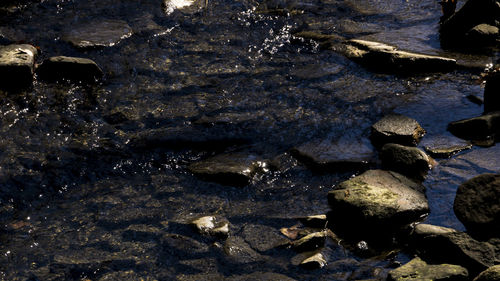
(79,201)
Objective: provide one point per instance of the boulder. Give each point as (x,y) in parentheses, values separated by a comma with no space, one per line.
(481,128)
(16,66)
(103,33)
(211,225)
(386,58)
(74,69)
(397,129)
(477,205)
(417,269)
(383,198)
(229,169)
(492,92)
(444,146)
(409,161)
(483,34)
(490,274)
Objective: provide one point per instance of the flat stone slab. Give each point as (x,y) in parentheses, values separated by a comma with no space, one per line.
(104,33)
(16,65)
(444,146)
(75,69)
(398,129)
(417,269)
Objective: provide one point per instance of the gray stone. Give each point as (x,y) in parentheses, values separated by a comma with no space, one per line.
(387,58)
(477,205)
(492,91)
(490,274)
(70,68)
(481,128)
(16,65)
(409,161)
(397,129)
(310,242)
(263,238)
(102,33)
(417,269)
(383,198)
(444,146)
(211,225)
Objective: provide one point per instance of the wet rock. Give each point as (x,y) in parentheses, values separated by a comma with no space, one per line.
(260,276)
(239,251)
(69,68)
(383,198)
(103,33)
(182,246)
(340,155)
(316,221)
(326,41)
(417,269)
(211,225)
(185,6)
(315,261)
(490,274)
(230,169)
(445,146)
(310,242)
(387,58)
(477,205)
(409,161)
(483,34)
(16,65)
(492,92)
(397,129)
(445,245)
(481,128)
(201,276)
(263,238)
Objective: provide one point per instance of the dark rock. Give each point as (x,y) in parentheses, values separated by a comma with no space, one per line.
(445,146)
(239,251)
(492,92)
(397,129)
(260,276)
(483,34)
(211,225)
(315,261)
(263,238)
(477,205)
(344,154)
(69,68)
(310,242)
(481,128)
(230,169)
(316,221)
(386,199)
(490,274)
(16,66)
(387,58)
(409,161)
(417,269)
(103,33)
(182,246)
(326,41)
(445,245)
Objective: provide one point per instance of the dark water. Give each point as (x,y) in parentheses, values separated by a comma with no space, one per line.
(80,201)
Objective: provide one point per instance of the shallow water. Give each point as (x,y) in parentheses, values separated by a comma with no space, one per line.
(79,200)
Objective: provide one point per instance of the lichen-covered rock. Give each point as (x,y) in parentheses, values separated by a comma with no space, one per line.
(417,269)
(409,161)
(477,205)
(16,66)
(490,274)
(387,58)
(479,128)
(310,242)
(397,129)
(69,68)
(384,198)
(103,33)
(444,146)
(211,225)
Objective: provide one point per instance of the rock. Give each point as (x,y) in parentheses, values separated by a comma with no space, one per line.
(445,245)
(316,221)
(492,92)
(481,128)
(211,225)
(310,242)
(343,154)
(490,274)
(397,129)
(477,205)
(386,199)
(387,58)
(483,34)
(263,238)
(16,66)
(409,161)
(229,169)
(239,251)
(70,68)
(260,276)
(103,33)
(315,261)
(417,269)
(186,6)
(445,146)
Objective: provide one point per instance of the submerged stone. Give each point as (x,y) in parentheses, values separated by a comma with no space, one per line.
(16,66)
(70,68)
(481,128)
(409,161)
(397,129)
(417,269)
(240,252)
(263,238)
(445,146)
(103,33)
(310,242)
(490,274)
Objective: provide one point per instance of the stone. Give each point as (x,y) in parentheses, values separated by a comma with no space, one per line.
(492,91)
(229,169)
(424,230)
(417,269)
(397,129)
(239,251)
(477,205)
(483,34)
(490,274)
(16,66)
(481,128)
(444,146)
(102,33)
(74,69)
(310,242)
(263,238)
(260,276)
(316,221)
(211,225)
(383,198)
(386,58)
(185,6)
(409,161)
(340,155)
(315,261)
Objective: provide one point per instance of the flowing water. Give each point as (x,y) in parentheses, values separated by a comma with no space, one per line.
(79,201)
